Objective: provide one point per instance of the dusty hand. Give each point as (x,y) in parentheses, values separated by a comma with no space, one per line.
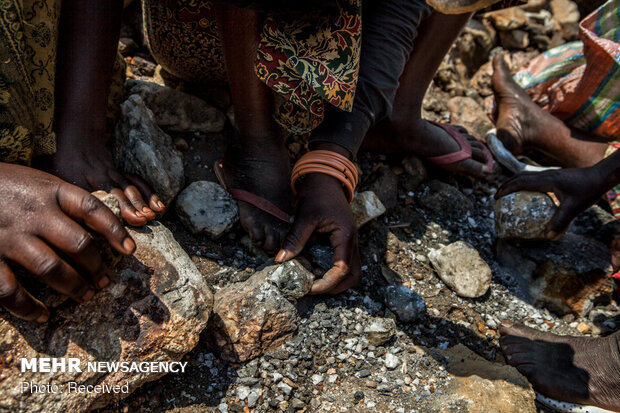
(576,188)
(322,207)
(40,216)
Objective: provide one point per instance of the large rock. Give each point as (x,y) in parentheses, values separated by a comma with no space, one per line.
(366,206)
(523,215)
(206,207)
(259,314)
(459,265)
(482,386)
(566,276)
(176,111)
(153,311)
(142,148)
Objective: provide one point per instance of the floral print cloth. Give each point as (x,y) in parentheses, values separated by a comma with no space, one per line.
(307,60)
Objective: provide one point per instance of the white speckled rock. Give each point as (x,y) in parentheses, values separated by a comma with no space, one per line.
(523,215)
(459,265)
(366,206)
(206,207)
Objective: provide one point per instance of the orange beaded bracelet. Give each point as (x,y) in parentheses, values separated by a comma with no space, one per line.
(328,163)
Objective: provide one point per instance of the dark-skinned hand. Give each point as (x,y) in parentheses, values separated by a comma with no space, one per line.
(42,220)
(576,188)
(322,206)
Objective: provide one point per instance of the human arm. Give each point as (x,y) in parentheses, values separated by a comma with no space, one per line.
(43,220)
(576,188)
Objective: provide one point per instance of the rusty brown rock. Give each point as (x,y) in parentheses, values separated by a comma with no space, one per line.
(258,314)
(484,386)
(567,276)
(154,310)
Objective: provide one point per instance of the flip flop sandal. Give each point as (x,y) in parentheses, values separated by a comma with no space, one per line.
(565,407)
(250,198)
(464,153)
(507,159)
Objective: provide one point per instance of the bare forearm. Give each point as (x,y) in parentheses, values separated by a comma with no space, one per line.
(88,38)
(609,170)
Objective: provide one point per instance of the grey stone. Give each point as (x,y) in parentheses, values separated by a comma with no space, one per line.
(366,206)
(206,207)
(459,265)
(153,311)
(523,215)
(176,111)
(142,148)
(380,330)
(405,303)
(257,315)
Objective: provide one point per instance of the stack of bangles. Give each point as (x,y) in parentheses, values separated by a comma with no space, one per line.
(328,163)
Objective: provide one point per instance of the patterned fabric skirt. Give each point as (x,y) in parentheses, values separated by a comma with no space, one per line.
(307,60)
(579,82)
(28,30)
(28,44)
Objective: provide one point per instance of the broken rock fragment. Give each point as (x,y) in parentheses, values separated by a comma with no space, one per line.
(523,215)
(143,149)
(459,265)
(153,311)
(259,314)
(206,207)
(405,303)
(380,330)
(366,206)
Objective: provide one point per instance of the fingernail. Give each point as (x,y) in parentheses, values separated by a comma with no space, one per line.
(551,234)
(140,214)
(507,323)
(161,204)
(89,294)
(281,256)
(147,210)
(43,317)
(129,245)
(103,282)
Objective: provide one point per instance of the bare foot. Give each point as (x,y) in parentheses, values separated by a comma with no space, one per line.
(422,138)
(581,370)
(261,167)
(520,122)
(90,167)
